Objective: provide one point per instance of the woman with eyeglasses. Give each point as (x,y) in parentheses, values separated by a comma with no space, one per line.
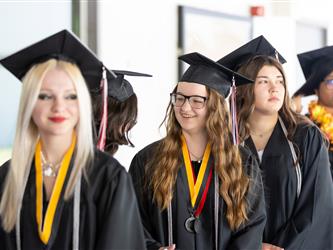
(290,149)
(317,66)
(196,188)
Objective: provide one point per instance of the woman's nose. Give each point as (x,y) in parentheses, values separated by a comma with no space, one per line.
(186,105)
(58,104)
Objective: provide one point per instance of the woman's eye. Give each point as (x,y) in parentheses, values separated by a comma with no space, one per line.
(71,97)
(262,81)
(44,97)
(198,100)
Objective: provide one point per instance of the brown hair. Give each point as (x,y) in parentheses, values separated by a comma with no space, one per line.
(122,117)
(246,97)
(165,164)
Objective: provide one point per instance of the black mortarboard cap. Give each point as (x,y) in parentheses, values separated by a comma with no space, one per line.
(256,47)
(316,65)
(121,87)
(205,71)
(64,46)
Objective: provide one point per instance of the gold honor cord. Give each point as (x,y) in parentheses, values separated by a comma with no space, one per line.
(45,230)
(194,187)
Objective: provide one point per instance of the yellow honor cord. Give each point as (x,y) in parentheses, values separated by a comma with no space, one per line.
(194,188)
(45,229)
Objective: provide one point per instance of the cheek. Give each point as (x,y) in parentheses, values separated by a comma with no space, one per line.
(37,111)
(258,94)
(74,109)
(203,113)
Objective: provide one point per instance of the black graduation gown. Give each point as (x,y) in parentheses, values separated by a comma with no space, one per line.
(109,215)
(330,150)
(306,222)
(248,236)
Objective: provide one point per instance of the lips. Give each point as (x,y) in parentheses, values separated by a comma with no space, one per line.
(186,116)
(274,98)
(57,119)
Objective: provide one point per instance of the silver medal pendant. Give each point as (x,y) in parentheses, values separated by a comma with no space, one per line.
(192,224)
(48,171)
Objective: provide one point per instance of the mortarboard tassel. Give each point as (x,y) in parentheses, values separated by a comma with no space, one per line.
(277,56)
(234,113)
(104,122)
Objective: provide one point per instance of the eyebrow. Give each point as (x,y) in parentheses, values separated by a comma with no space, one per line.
(279,76)
(51,90)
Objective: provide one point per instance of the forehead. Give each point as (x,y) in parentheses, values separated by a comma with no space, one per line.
(57,79)
(191,88)
(269,70)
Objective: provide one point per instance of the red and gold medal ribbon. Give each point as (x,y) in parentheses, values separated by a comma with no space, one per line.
(194,186)
(44,229)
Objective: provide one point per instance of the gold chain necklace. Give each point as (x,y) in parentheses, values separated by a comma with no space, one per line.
(49,169)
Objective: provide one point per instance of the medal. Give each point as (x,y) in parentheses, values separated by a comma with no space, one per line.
(192,224)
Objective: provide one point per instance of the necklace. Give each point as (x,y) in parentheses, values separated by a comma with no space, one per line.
(196,158)
(49,169)
(261,135)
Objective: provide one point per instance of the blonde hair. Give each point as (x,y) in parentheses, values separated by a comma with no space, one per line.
(27,134)
(165,164)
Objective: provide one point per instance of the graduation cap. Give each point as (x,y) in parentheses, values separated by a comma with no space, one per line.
(256,47)
(205,71)
(67,47)
(316,65)
(121,87)
(63,45)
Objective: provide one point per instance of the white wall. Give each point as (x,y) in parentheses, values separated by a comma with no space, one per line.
(142,36)
(22,23)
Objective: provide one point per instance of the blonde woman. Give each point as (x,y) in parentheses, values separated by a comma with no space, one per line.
(290,149)
(57,191)
(196,189)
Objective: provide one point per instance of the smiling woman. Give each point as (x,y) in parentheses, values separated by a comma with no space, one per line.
(75,192)
(195,186)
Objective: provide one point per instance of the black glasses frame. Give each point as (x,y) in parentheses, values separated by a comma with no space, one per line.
(187,97)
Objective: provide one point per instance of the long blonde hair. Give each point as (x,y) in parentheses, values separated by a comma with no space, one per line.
(27,134)
(165,164)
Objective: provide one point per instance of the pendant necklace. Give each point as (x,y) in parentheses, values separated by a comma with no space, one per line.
(49,169)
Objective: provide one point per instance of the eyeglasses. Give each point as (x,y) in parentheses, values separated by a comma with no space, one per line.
(196,101)
(329,83)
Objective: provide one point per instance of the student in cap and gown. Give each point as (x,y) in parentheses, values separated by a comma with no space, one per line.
(291,151)
(317,66)
(58,191)
(196,189)
(122,110)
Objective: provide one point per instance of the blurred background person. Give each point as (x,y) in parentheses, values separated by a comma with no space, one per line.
(317,66)
(122,111)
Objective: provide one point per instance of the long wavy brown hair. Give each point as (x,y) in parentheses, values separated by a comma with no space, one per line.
(167,160)
(246,98)
(122,117)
